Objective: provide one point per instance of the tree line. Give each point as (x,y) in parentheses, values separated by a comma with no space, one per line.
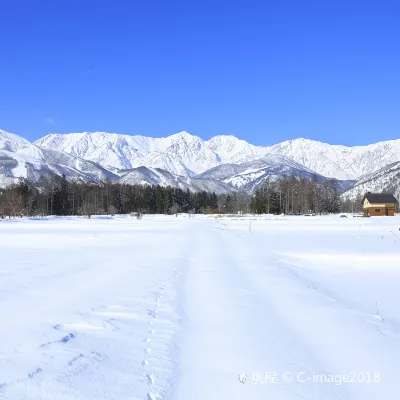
(57,196)
(290,195)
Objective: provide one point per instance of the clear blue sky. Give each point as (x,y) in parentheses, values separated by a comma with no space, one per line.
(264,71)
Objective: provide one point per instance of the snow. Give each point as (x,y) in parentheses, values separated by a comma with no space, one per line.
(337,161)
(160,177)
(12,142)
(386,179)
(181,153)
(177,308)
(14,165)
(19,158)
(222,157)
(189,154)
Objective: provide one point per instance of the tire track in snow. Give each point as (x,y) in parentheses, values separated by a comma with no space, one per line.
(293,269)
(295,299)
(233,328)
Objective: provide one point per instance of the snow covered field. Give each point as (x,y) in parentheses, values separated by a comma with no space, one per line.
(200,308)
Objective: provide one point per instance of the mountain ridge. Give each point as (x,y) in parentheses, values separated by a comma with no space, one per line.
(385,179)
(189,155)
(223,158)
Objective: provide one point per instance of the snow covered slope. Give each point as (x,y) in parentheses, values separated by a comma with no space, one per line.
(181,153)
(12,142)
(33,163)
(161,177)
(340,162)
(251,175)
(73,167)
(233,150)
(386,179)
(185,154)
(223,158)
(14,166)
(19,158)
(113,151)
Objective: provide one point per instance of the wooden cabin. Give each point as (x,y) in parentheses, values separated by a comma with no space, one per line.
(379,204)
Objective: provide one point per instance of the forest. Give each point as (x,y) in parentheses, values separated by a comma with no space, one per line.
(58,196)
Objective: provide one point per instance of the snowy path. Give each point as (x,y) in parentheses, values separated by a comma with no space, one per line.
(253,314)
(179,308)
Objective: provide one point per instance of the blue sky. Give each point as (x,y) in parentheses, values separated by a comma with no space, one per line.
(264,71)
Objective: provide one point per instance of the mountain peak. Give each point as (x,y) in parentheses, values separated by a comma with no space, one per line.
(302,140)
(181,133)
(185,136)
(11,142)
(224,139)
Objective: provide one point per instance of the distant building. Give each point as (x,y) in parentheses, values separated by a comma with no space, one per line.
(381,204)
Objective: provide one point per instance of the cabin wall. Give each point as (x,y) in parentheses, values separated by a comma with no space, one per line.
(377,211)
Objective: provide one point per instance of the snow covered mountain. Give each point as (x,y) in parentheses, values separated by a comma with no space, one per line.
(180,154)
(226,159)
(161,177)
(386,179)
(12,142)
(73,167)
(251,175)
(113,151)
(340,162)
(233,150)
(188,155)
(19,158)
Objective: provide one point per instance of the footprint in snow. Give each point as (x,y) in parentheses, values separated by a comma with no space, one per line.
(151,379)
(64,339)
(73,360)
(152,313)
(34,373)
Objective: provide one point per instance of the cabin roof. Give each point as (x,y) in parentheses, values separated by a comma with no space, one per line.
(380,198)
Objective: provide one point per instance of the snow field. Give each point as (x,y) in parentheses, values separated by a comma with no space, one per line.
(179,308)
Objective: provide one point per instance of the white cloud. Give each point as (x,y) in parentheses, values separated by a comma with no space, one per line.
(49,121)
